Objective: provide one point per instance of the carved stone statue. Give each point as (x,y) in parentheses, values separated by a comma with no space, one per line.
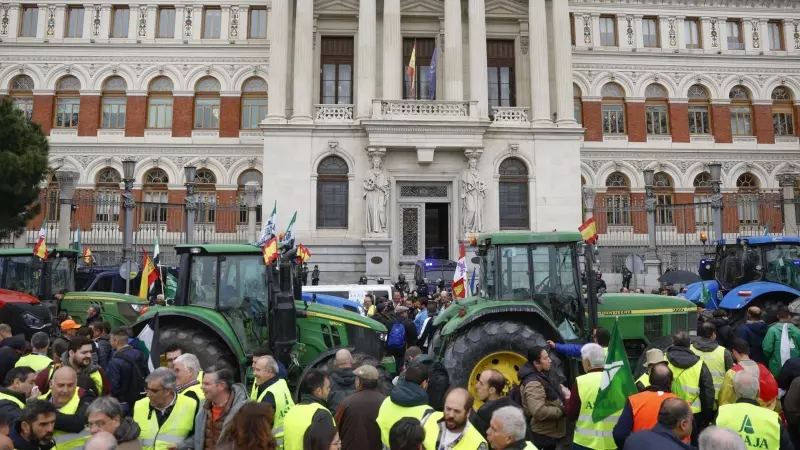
(473,192)
(376,193)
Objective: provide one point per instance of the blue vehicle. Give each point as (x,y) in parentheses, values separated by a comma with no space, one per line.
(334,301)
(435,270)
(761,271)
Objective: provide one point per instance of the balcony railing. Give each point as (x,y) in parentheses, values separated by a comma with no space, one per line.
(510,115)
(425,110)
(333,113)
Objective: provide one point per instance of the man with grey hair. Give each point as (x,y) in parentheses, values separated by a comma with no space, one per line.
(105,416)
(270,388)
(759,427)
(583,396)
(164,417)
(101,441)
(187,368)
(507,430)
(716,438)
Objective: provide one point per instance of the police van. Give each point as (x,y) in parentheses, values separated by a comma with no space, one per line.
(354,292)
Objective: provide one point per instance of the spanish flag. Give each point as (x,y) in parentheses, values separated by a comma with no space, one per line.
(40,248)
(412,71)
(459,286)
(149,275)
(303,254)
(589,231)
(271,250)
(87,255)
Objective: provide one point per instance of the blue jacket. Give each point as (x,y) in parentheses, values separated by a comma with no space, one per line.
(659,437)
(119,372)
(419,319)
(753,333)
(570,350)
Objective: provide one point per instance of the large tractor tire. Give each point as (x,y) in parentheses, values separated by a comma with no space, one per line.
(209,348)
(662,343)
(502,345)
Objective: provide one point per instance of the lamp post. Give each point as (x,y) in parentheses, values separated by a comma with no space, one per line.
(66,186)
(251,191)
(715,169)
(650,208)
(128,203)
(191,205)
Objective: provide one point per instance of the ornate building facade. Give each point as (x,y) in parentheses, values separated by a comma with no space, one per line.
(397,128)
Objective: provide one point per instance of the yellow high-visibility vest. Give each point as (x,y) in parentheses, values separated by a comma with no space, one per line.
(470,439)
(588,433)
(34,361)
(297,421)
(686,384)
(716,365)
(175,428)
(12,399)
(390,413)
(64,440)
(758,426)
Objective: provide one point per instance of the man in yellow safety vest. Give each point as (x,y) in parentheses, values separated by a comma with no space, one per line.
(165,417)
(717,358)
(34,431)
(507,430)
(37,359)
(19,387)
(451,429)
(273,391)
(172,353)
(408,399)
(588,433)
(72,402)
(761,428)
(691,379)
(311,416)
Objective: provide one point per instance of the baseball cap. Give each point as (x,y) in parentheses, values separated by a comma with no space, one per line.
(366,372)
(401,309)
(69,325)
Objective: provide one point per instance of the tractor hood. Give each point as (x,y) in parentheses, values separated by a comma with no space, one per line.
(741,296)
(7,296)
(473,307)
(616,304)
(105,297)
(339,315)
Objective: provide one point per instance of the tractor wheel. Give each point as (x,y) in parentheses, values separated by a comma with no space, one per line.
(661,343)
(502,345)
(208,348)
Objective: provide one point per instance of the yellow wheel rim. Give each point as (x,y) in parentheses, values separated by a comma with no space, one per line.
(508,363)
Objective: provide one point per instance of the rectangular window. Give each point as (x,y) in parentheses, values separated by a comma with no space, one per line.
(613,119)
(420,87)
(618,209)
(212,20)
(336,83)
(698,120)
(74,22)
(577,110)
(664,209)
(159,112)
(106,208)
(24,104)
(650,32)
(114,112)
(657,120)
(702,209)
(166,23)
(740,121)
(155,209)
(608,31)
(783,122)
(119,28)
(501,76)
(206,113)
(775,35)
(733,29)
(67,111)
(254,110)
(747,206)
(258,23)
(29,22)
(691,29)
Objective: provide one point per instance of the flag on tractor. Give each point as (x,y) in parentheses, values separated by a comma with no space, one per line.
(705,296)
(40,248)
(589,231)
(617,383)
(270,251)
(86,255)
(288,237)
(460,275)
(269,226)
(156,253)
(432,77)
(766,230)
(149,340)
(149,275)
(84,252)
(303,254)
(412,71)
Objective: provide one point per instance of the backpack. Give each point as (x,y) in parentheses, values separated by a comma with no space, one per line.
(397,337)
(438,385)
(136,383)
(515,394)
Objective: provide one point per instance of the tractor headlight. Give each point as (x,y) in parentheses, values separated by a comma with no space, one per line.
(31,321)
(382,336)
(137,308)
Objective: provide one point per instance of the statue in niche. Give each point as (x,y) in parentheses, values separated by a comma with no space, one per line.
(376,193)
(473,192)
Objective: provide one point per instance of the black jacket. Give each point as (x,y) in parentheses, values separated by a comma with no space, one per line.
(683,358)
(10,410)
(104,351)
(120,372)
(10,349)
(343,383)
(660,437)
(789,371)
(426,333)
(724,331)
(21,444)
(481,418)
(753,333)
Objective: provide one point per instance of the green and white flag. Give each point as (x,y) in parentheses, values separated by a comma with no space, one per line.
(149,343)
(269,227)
(617,383)
(288,237)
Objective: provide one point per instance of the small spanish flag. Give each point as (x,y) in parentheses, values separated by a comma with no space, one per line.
(303,254)
(87,255)
(149,275)
(40,248)
(412,71)
(589,231)
(270,251)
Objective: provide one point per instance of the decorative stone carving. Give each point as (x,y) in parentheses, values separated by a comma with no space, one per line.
(787,179)
(376,192)
(333,146)
(672,35)
(629,29)
(51,21)
(756,40)
(187,23)
(714,34)
(142,21)
(4,20)
(524,42)
(234,31)
(796,35)
(588,196)
(587,28)
(473,193)
(96,22)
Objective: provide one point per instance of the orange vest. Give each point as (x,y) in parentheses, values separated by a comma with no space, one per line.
(645,406)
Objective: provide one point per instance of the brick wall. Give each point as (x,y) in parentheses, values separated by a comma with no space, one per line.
(684,216)
(175,217)
(43,111)
(636,121)
(230,116)
(600,217)
(84,214)
(679,122)
(730,215)
(135,116)
(762,124)
(182,116)
(592,121)
(226,217)
(638,214)
(797,120)
(90,115)
(721,123)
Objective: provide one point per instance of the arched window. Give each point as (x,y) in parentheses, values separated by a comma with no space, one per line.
(21,90)
(114,102)
(699,117)
(155,196)
(68,102)
(782,111)
(332,193)
(576,101)
(747,200)
(618,198)
(206,104)
(656,107)
(107,196)
(159,103)
(513,195)
(613,109)
(664,188)
(246,177)
(206,183)
(741,111)
(702,199)
(254,103)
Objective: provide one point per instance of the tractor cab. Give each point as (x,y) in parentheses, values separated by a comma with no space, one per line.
(761,258)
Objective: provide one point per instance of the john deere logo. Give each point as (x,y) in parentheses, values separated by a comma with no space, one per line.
(747,432)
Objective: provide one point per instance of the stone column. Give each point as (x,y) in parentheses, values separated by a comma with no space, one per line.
(278,32)
(392,51)
(478,83)
(788,183)
(651,262)
(540,71)
(453,58)
(251,189)
(563,62)
(303,77)
(588,202)
(66,186)
(365,87)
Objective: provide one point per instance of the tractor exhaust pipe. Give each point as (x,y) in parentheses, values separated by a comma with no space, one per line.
(284,314)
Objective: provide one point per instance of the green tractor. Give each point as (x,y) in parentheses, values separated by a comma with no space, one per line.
(229,304)
(530,293)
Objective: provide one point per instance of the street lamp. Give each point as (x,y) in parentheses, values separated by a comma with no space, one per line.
(650,208)
(128,203)
(648,176)
(190,172)
(715,169)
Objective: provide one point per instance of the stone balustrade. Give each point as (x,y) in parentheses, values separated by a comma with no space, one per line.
(510,116)
(329,113)
(425,110)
